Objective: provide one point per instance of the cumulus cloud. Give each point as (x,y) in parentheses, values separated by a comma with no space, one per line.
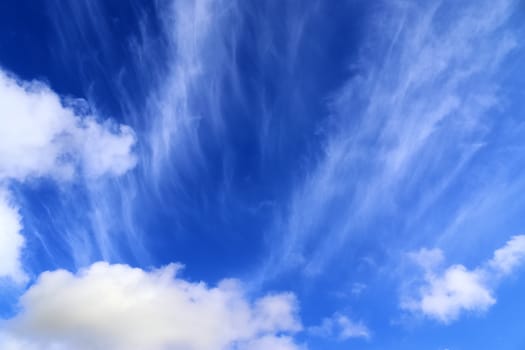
(42,136)
(510,256)
(444,296)
(120,307)
(11,241)
(447,292)
(340,327)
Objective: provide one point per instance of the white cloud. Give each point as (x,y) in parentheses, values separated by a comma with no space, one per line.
(11,241)
(119,307)
(510,256)
(40,136)
(340,327)
(445,294)
(351,329)
(457,289)
(190,27)
(426,84)
(428,259)
(105,148)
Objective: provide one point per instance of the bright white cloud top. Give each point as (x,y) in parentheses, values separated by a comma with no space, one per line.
(41,136)
(448,292)
(119,307)
(11,241)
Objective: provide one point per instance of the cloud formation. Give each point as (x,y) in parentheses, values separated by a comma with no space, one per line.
(11,241)
(42,135)
(407,124)
(340,327)
(447,292)
(510,256)
(120,307)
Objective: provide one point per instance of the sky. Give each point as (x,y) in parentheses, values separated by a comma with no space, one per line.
(262,175)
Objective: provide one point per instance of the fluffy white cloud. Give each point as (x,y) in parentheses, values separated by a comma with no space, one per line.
(11,241)
(457,289)
(119,307)
(447,292)
(510,256)
(340,327)
(40,136)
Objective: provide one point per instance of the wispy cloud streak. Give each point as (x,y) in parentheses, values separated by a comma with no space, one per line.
(404,131)
(169,91)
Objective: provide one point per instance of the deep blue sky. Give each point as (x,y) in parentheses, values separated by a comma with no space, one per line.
(311,147)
